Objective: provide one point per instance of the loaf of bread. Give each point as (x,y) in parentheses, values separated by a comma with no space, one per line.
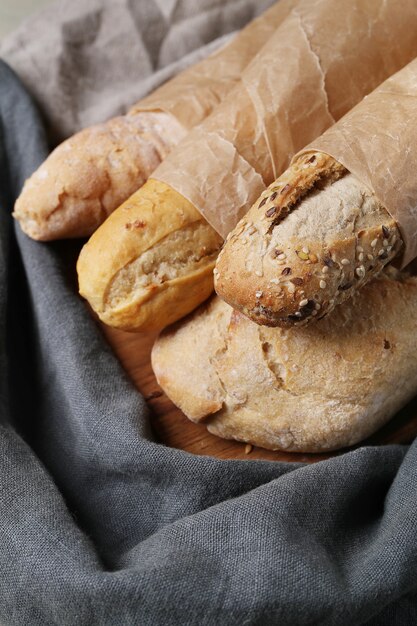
(310,389)
(151,262)
(89,175)
(224,163)
(313,238)
(85,178)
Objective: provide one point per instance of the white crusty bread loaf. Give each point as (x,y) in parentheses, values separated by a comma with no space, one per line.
(310,389)
(151,262)
(313,238)
(87,176)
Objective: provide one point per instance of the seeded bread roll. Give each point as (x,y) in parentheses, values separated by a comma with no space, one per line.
(86,177)
(313,238)
(151,262)
(311,389)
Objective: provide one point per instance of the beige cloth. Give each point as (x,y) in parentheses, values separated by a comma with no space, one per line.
(87,60)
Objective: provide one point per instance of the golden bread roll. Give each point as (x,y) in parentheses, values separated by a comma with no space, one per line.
(137,266)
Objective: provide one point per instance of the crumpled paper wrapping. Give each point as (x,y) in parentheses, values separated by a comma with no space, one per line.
(316,66)
(377,142)
(85,61)
(194,93)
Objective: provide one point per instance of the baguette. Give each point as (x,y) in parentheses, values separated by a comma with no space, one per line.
(311,389)
(89,175)
(313,238)
(136,267)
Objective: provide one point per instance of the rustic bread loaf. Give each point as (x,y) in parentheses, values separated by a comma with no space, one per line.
(151,262)
(86,177)
(313,238)
(310,389)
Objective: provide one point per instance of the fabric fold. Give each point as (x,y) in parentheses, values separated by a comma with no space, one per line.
(100,524)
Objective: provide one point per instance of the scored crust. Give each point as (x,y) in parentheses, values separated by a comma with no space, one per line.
(311,240)
(310,389)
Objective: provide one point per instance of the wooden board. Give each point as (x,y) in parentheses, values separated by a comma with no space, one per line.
(172,428)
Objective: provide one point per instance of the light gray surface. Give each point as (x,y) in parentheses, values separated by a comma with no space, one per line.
(13,12)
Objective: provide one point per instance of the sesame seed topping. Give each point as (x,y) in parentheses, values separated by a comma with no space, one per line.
(359,249)
(282,256)
(360,271)
(323,284)
(274,281)
(325,269)
(381,252)
(314,312)
(298,314)
(374,243)
(345,262)
(385,243)
(259,294)
(370,257)
(291,287)
(303,302)
(394,239)
(317,306)
(360,257)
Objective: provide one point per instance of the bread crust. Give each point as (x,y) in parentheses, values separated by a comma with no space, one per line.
(310,389)
(283,278)
(151,262)
(89,175)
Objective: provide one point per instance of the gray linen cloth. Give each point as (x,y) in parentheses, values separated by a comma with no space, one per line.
(99,524)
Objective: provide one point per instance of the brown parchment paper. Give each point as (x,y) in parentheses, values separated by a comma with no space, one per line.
(315,67)
(195,92)
(377,141)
